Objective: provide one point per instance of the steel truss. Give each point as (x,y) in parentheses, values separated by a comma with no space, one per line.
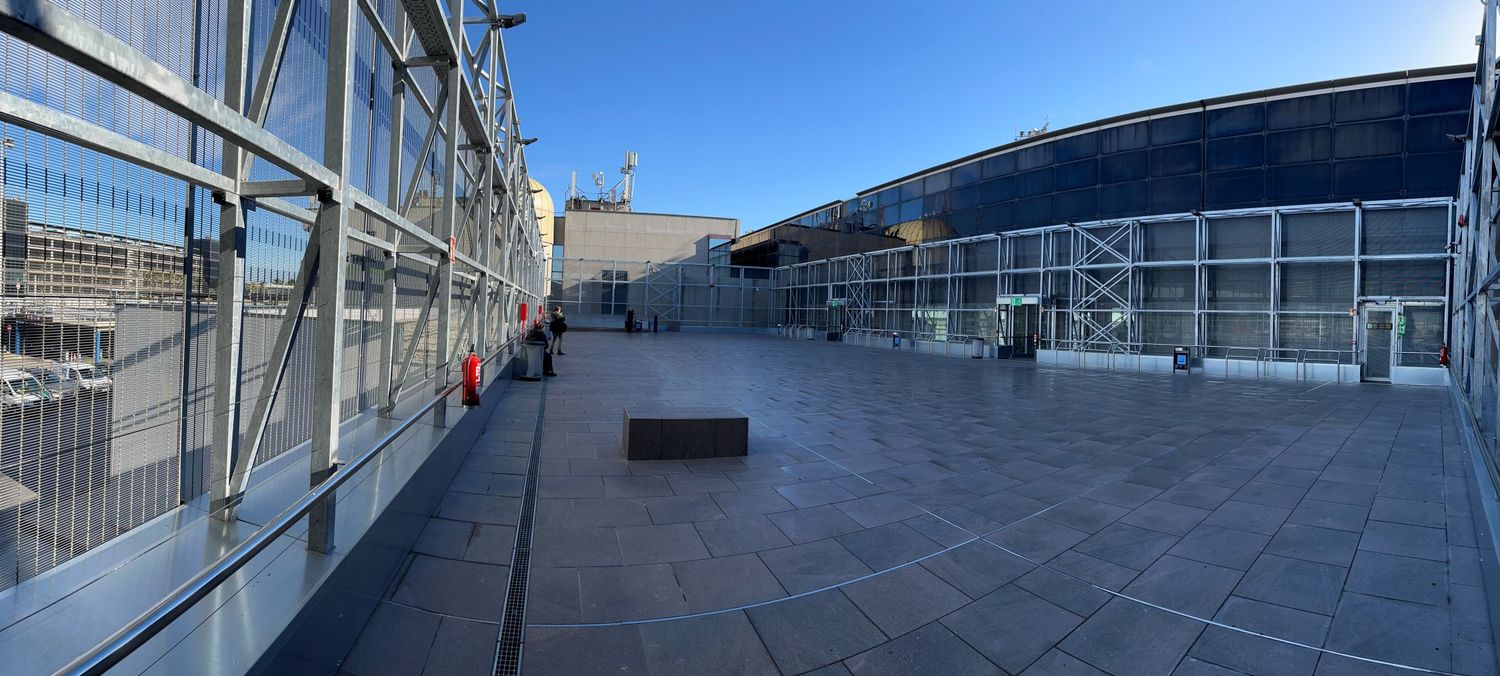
(488,239)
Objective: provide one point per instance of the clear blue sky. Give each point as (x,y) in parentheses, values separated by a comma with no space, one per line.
(760,110)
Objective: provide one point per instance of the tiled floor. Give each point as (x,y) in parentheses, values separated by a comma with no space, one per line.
(903,514)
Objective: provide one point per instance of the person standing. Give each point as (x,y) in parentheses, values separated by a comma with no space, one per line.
(559,326)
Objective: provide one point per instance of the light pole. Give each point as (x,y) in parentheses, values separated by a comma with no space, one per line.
(6,144)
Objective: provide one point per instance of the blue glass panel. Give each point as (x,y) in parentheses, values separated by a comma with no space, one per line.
(1034,182)
(1227,189)
(964,223)
(1298,182)
(1076,174)
(1368,139)
(1236,120)
(1433,174)
(1369,179)
(1303,111)
(1122,199)
(1076,205)
(890,215)
(1236,153)
(1129,166)
(1174,160)
(1171,195)
(997,217)
(1176,129)
(1370,103)
(965,174)
(935,204)
(1430,133)
(911,190)
(1034,211)
(888,197)
(1033,157)
(1436,96)
(1000,165)
(997,190)
(1302,145)
(1076,147)
(966,197)
(911,210)
(936,183)
(1124,137)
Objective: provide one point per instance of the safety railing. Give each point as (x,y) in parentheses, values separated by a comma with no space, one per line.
(140,630)
(1337,360)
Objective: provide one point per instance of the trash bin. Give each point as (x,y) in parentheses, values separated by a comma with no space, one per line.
(528,362)
(976,348)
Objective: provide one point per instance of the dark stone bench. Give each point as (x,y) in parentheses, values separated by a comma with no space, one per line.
(683,433)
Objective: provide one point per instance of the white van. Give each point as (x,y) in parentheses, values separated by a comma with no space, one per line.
(87,376)
(20,389)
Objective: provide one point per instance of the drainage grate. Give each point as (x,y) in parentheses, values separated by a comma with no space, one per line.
(513,620)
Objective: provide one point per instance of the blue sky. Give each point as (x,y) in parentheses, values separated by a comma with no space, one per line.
(760,110)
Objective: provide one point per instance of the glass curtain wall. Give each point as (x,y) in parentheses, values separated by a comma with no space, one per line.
(1238,283)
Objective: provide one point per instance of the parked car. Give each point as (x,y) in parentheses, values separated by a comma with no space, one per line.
(21,389)
(88,377)
(60,389)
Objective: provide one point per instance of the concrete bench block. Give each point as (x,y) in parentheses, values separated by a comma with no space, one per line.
(685,433)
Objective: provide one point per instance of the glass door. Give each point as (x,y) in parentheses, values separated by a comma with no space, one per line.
(1377,342)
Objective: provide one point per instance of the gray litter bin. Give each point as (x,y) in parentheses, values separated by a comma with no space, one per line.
(528,362)
(976,348)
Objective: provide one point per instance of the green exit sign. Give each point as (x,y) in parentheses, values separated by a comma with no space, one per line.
(1016,301)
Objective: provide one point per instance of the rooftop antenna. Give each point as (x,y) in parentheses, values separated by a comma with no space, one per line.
(1034,131)
(611,198)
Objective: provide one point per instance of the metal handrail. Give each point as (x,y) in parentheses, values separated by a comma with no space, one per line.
(1229,355)
(1338,361)
(127,639)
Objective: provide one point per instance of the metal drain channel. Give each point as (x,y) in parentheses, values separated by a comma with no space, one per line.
(513,620)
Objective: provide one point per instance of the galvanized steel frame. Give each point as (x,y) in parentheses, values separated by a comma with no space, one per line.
(478,114)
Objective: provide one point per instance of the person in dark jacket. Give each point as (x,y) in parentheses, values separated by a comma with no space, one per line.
(629,321)
(537,335)
(559,326)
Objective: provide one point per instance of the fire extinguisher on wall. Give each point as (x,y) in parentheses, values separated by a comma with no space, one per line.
(1443,356)
(471,379)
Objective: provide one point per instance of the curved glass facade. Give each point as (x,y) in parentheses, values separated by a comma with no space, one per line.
(1374,138)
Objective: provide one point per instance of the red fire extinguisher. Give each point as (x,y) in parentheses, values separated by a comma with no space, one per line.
(1443,356)
(471,379)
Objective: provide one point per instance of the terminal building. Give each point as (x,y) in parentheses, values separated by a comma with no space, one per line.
(1304,228)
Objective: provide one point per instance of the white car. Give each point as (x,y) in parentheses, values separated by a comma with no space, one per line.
(19,388)
(88,376)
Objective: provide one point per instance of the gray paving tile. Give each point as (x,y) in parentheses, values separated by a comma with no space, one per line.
(1192,666)
(395,640)
(724,643)
(1085,514)
(751,502)
(1311,543)
(1411,512)
(726,582)
(1294,583)
(480,508)
(885,546)
(1165,517)
(1059,663)
(616,593)
(1251,654)
(567,547)
(1126,545)
(727,537)
(1069,593)
(592,650)
(691,484)
(1195,494)
(1469,613)
(570,487)
(587,513)
(1330,515)
(932,649)
(1129,638)
(441,537)
(809,632)
(1391,630)
(469,590)
(461,647)
(683,509)
(1005,507)
(1037,539)
(813,523)
(1122,494)
(904,599)
(813,565)
(1399,577)
(813,493)
(553,596)
(1343,493)
(1093,571)
(1226,547)
(1403,540)
(1184,585)
(636,486)
(1012,627)
(660,544)
(976,568)
(1248,516)
(878,510)
(1270,494)
(491,544)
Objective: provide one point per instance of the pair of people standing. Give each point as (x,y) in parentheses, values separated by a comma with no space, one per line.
(536,335)
(559,325)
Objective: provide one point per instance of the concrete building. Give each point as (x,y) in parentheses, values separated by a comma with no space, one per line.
(640,236)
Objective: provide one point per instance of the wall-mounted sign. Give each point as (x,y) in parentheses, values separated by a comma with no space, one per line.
(1013,299)
(1400,325)
(1378,326)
